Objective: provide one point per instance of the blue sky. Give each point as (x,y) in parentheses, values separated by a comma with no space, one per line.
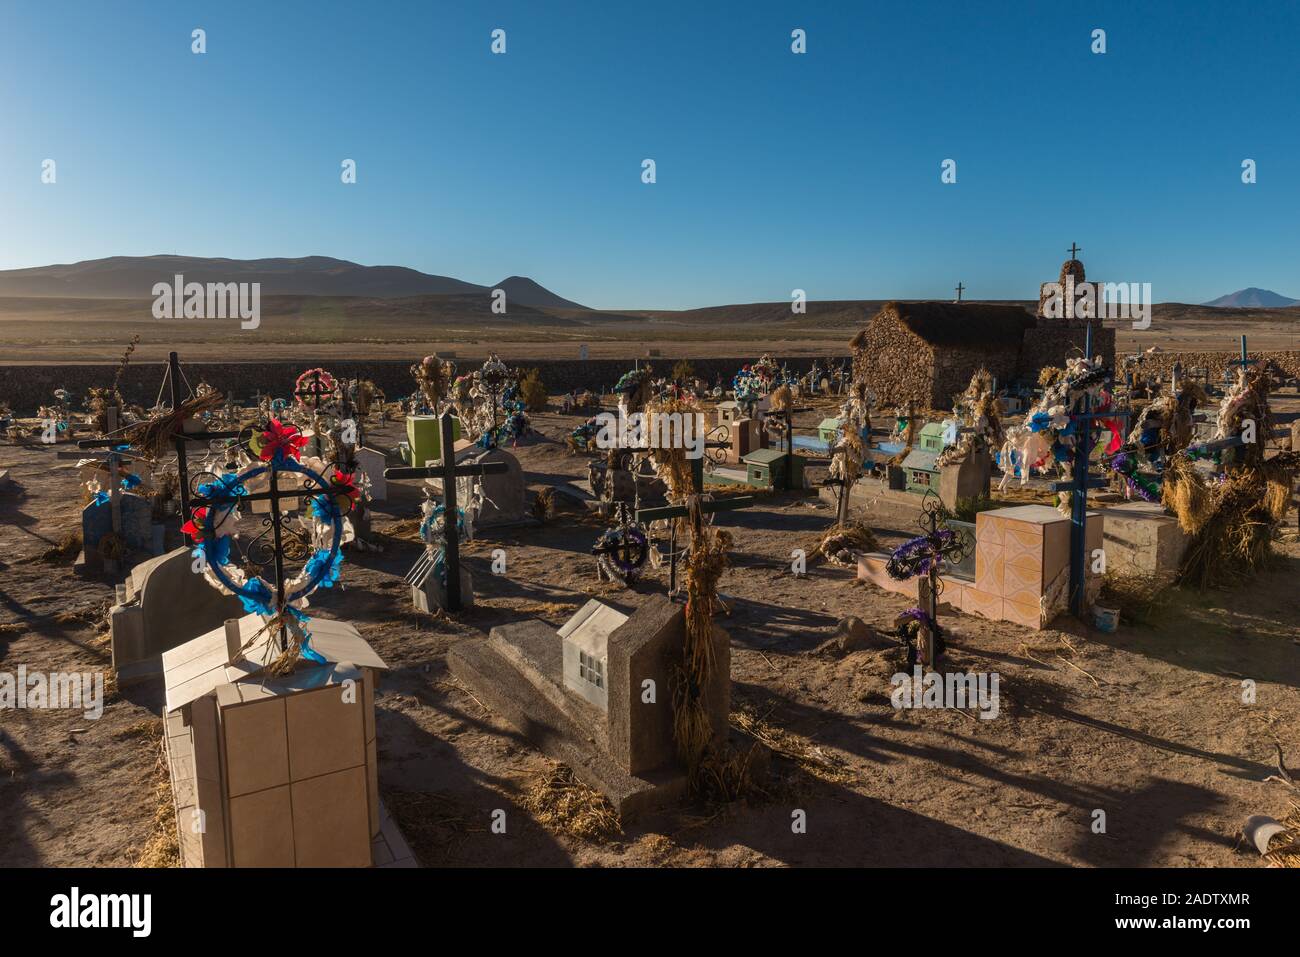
(775,171)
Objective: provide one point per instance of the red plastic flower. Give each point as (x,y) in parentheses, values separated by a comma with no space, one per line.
(282,441)
(344,487)
(194,527)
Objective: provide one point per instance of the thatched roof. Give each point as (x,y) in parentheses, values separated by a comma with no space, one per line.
(966,324)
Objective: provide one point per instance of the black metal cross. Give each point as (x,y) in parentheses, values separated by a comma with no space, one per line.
(1075,249)
(273,494)
(960,290)
(786,416)
(447,470)
(314,391)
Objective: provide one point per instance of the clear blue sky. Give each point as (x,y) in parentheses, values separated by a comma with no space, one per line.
(775,170)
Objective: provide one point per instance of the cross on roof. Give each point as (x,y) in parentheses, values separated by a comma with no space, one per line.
(1075,249)
(448,471)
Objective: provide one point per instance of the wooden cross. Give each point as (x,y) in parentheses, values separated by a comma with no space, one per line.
(843,485)
(647,515)
(448,471)
(960,290)
(179,438)
(1075,249)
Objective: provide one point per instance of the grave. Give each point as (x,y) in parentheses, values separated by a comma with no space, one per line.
(276,771)
(372,464)
(163,603)
(746,437)
(134,520)
(969,478)
(505,494)
(774,468)
(616,735)
(921,466)
(422,437)
(426,577)
(1022,567)
(1141,538)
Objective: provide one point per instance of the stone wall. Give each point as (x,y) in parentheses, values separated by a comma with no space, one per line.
(27,387)
(1161,364)
(1054,340)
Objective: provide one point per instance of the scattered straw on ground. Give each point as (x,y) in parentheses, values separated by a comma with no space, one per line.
(1139,598)
(1284,848)
(561,802)
(811,759)
(161,848)
(67,547)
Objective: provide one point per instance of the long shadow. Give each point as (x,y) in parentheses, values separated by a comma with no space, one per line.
(416,761)
(20,775)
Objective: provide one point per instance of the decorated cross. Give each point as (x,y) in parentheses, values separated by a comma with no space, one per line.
(670,512)
(1085,422)
(447,470)
(179,437)
(918,628)
(277,448)
(313,388)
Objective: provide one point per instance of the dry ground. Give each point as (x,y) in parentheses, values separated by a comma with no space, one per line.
(1146,724)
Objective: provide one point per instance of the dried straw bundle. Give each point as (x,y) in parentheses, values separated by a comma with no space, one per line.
(1231,523)
(1284,848)
(781,399)
(671,464)
(705,563)
(433,376)
(153,437)
(563,803)
(839,543)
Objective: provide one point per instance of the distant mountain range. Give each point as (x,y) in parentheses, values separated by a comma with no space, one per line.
(1252,298)
(133,277)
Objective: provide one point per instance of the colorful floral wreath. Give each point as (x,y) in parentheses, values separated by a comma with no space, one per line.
(433,518)
(920,554)
(325,382)
(211,526)
(612,543)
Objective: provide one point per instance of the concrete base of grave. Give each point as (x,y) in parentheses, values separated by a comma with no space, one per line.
(1142,539)
(518,673)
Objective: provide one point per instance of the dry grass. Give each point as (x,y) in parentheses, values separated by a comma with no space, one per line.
(562,803)
(810,759)
(162,846)
(1284,848)
(67,547)
(839,543)
(1139,598)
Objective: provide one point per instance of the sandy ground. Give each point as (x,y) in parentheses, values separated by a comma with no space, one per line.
(1146,724)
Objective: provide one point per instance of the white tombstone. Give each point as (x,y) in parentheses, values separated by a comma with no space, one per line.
(585,639)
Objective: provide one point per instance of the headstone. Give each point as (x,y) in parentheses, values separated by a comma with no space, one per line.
(281,772)
(136,516)
(966,479)
(166,603)
(422,437)
(372,464)
(504,494)
(745,438)
(527,673)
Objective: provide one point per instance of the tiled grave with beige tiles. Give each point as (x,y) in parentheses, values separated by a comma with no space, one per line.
(277,772)
(1022,567)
